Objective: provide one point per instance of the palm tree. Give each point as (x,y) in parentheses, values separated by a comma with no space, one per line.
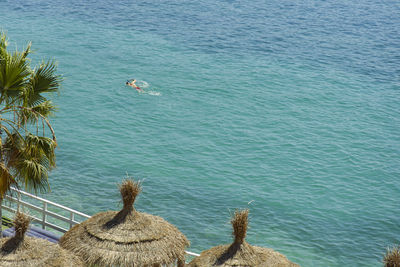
(26,150)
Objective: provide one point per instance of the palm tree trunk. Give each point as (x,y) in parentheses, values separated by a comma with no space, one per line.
(1,217)
(1,199)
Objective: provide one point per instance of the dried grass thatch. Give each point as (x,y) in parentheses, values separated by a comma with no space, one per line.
(240,253)
(127,237)
(25,251)
(392,257)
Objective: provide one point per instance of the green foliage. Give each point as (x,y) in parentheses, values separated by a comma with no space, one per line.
(26,153)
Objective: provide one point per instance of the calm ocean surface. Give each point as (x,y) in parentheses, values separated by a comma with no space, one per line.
(289,108)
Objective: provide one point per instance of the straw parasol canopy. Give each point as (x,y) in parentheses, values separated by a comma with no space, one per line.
(240,253)
(127,237)
(24,251)
(392,257)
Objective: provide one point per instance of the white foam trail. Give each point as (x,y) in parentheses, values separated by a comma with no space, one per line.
(142,84)
(154,93)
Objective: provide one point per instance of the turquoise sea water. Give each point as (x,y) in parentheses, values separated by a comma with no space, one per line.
(290,108)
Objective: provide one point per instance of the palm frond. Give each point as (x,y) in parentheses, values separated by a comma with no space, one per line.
(27,50)
(5,129)
(6,180)
(3,45)
(46,108)
(43,80)
(46,163)
(12,149)
(14,73)
(32,174)
(26,116)
(31,98)
(30,159)
(40,147)
(31,115)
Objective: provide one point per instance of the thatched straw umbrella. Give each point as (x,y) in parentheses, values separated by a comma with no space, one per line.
(241,253)
(392,257)
(127,237)
(24,251)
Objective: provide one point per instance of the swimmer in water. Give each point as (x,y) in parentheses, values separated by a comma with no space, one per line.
(133,85)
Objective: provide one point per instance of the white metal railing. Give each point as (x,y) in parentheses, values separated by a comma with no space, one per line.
(192,253)
(45,213)
(16,196)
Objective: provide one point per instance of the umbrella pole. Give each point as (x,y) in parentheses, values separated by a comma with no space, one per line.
(181,263)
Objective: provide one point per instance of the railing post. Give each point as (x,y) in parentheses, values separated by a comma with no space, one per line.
(19,200)
(72,220)
(44,215)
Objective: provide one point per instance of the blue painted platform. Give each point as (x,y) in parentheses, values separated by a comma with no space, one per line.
(34,231)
